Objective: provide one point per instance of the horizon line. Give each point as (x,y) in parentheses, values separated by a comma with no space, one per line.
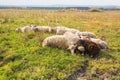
(59,5)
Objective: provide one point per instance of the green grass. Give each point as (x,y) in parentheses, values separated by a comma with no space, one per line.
(25,59)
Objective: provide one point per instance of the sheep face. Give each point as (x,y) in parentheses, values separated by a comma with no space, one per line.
(81,49)
(32,25)
(53,30)
(35,29)
(74,49)
(91,48)
(18,30)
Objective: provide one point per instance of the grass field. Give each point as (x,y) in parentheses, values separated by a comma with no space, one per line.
(23,58)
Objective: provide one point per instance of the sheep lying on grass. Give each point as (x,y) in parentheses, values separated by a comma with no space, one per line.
(58,41)
(102,44)
(42,29)
(89,34)
(73,50)
(62,30)
(71,37)
(74,31)
(79,49)
(91,48)
(24,29)
(59,29)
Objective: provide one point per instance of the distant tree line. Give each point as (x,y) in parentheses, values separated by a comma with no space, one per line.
(55,8)
(48,8)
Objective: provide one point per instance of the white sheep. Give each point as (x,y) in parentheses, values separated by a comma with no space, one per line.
(55,41)
(24,29)
(102,44)
(74,31)
(62,30)
(59,29)
(59,41)
(42,29)
(89,34)
(71,37)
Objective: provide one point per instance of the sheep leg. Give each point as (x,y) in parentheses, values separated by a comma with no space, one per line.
(72,52)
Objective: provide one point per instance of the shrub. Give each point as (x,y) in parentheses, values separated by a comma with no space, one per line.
(94,10)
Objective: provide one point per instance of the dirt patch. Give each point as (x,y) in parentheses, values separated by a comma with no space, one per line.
(79,74)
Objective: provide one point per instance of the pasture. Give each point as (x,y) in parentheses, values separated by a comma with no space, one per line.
(23,58)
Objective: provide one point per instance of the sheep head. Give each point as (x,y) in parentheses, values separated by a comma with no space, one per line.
(18,30)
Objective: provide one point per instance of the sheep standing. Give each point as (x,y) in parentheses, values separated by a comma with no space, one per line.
(91,48)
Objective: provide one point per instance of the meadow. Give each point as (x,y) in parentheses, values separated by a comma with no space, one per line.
(23,58)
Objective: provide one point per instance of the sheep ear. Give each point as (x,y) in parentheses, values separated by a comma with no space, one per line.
(32,25)
(80,48)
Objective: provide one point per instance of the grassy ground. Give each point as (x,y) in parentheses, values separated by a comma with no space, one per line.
(23,58)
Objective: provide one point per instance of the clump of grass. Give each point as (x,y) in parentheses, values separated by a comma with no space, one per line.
(6,20)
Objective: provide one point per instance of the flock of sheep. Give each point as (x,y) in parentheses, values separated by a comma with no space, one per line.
(69,39)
